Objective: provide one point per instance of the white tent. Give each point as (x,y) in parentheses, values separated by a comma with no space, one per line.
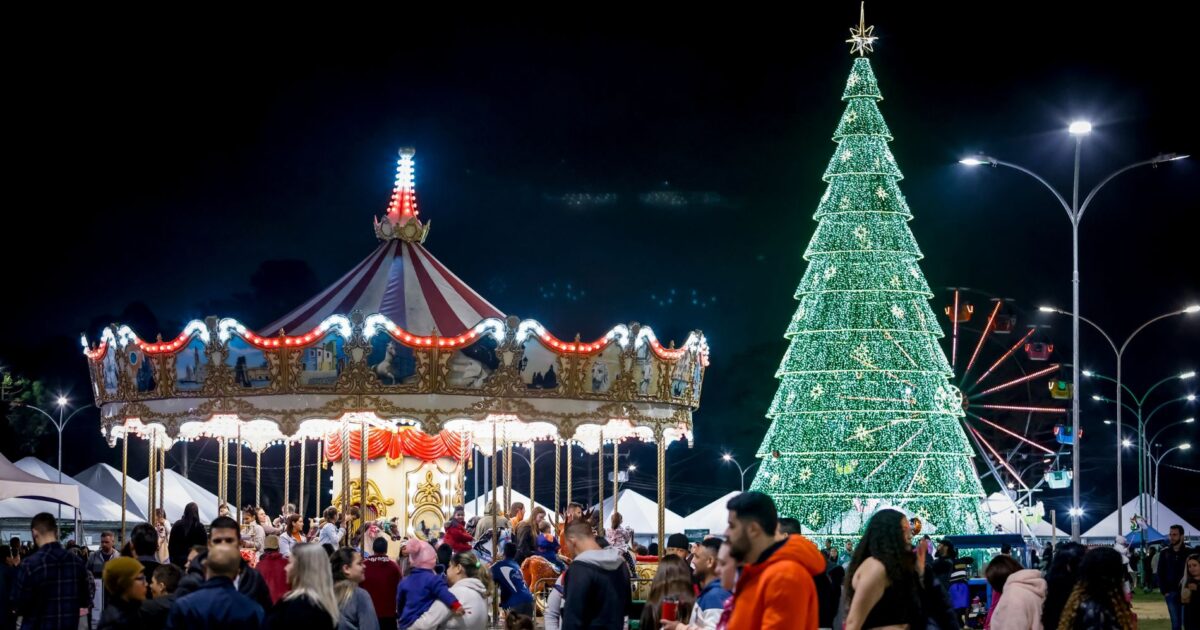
(107,481)
(1006,515)
(641,514)
(714,517)
(478,505)
(16,483)
(1161,518)
(92,506)
(179,491)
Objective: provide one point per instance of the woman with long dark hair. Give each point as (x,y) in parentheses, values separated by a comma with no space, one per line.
(1060,580)
(357,611)
(187,532)
(882,582)
(673,579)
(1098,600)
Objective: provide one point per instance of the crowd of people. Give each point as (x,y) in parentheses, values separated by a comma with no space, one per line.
(762,573)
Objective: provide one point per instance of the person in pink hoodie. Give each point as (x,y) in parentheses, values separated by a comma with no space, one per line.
(1022,592)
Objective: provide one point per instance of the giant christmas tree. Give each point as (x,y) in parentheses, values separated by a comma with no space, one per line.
(865,416)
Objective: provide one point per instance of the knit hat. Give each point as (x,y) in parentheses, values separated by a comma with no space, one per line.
(271,543)
(120,573)
(677,541)
(420,554)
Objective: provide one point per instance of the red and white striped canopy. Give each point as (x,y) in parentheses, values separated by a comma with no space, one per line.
(404,282)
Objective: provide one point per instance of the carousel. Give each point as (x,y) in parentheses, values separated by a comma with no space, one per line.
(400,373)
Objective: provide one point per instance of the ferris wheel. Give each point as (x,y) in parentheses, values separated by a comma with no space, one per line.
(1012,390)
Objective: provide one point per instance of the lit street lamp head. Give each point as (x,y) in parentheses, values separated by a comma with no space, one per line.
(1195,308)
(1126,443)
(1185,446)
(1080,128)
(1047,309)
(1187,375)
(727,457)
(978,160)
(62,401)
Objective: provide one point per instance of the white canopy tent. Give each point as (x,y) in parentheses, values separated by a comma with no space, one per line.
(714,517)
(16,483)
(478,505)
(92,506)
(179,491)
(641,514)
(106,480)
(1160,516)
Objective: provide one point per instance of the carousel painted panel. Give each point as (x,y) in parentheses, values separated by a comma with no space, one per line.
(603,369)
(473,366)
(139,367)
(191,367)
(109,368)
(392,362)
(539,366)
(251,369)
(322,362)
(646,370)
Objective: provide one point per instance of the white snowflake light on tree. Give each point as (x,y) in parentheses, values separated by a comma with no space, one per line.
(897,312)
(846,155)
(806,473)
(881,193)
(895,282)
(860,232)
(830,272)
(851,116)
(816,392)
(844,204)
(861,353)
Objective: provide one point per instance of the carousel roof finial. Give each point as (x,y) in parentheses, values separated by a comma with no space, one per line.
(401,220)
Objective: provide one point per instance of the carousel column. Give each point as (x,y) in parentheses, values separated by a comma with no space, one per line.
(570,472)
(317,478)
(659,440)
(507,472)
(238,495)
(345,507)
(616,465)
(124,478)
(257,478)
(462,469)
(151,451)
(494,511)
(162,479)
(300,499)
(363,458)
(557,476)
(287,473)
(600,479)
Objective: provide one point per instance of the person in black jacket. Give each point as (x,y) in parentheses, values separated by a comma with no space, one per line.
(1098,599)
(125,587)
(596,586)
(1172,562)
(185,534)
(225,531)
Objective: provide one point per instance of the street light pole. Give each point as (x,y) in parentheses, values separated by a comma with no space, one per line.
(1074,212)
(1120,354)
(1158,460)
(60,423)
(742,471)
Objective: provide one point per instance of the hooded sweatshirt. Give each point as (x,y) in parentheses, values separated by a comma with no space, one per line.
(1020,607)
(597,591)
(473,595)
(777,591)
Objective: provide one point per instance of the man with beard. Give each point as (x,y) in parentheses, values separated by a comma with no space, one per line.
(776,588)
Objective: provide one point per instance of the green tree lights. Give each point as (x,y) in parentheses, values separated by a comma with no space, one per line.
(865,415)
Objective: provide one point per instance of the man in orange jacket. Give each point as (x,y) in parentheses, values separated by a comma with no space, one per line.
(775,589)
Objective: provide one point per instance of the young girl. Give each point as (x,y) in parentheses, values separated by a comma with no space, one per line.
(547,545)
(422,586)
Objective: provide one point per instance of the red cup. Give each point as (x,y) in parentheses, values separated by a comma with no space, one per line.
(670,609)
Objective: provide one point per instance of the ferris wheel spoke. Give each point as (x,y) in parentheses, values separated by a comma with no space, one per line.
(999,458)
(1023,408)
(1018,380)
(987,330)
(954,335)
(1012,433)
(1004,357)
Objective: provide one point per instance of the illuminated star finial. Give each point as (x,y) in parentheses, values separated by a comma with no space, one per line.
(862,39)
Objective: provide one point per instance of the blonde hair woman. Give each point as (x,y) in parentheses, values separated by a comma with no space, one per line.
(310,603)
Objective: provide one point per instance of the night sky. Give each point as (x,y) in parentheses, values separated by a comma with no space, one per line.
(156,172)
